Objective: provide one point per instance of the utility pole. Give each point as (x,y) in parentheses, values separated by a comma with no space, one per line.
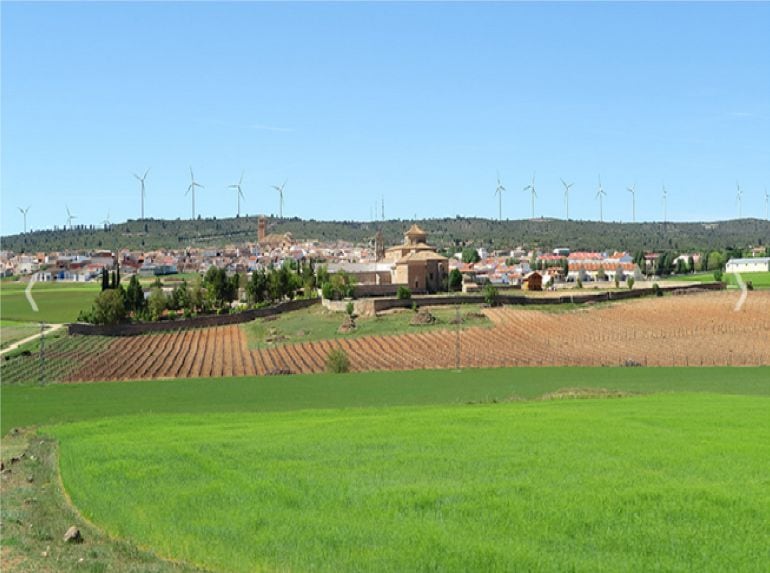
(457,337)
(42,353)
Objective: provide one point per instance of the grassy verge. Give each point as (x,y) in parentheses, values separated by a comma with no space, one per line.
(627,484)
(35,405)
(318,323)
(12,331)
(36,513)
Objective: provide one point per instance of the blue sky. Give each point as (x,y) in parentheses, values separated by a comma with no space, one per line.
(420,103)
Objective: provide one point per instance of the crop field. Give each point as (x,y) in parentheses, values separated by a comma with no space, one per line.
(57,303)
(687,330)
(478,470)
(460,488)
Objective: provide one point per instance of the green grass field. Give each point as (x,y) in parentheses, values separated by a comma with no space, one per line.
(665,482)
(423,470)
(318,323)
(33,405)
(759,280)
(56,303)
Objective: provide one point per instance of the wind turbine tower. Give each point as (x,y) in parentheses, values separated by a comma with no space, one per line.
(632,190)
(738,197)
(531,189)
(193,185)
(665,204)
(141,183)
(566,195)
(24,214)
(238,193)
(279,188)
(499,190)
(70,216)
(600,194)
(767,202)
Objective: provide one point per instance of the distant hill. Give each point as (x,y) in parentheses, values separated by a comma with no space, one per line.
(446,233)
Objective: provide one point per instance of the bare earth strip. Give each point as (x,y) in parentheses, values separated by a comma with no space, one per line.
(696,329)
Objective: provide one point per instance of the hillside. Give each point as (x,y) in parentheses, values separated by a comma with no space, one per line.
(447,232)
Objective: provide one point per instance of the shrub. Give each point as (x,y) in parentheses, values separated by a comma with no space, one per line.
(337,361)
(749,285)
(718,275)
(579,283)
(630,282)
(403,293)
(656,290)
(349,308)
(490,295)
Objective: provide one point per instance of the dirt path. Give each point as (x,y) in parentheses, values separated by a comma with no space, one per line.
(51,328)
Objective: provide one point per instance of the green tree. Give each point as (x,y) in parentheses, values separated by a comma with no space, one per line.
(109,307)
(630,282)
(490,295)
(134,295)
(180,297)
(157,303)
(105,279)
(257,286)
(403,293)
(715,261)
(470,255)
(455,280)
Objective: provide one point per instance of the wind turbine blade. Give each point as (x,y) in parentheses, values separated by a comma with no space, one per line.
(145,173)
(241,179)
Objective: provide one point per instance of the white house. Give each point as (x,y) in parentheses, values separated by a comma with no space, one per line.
(755,265)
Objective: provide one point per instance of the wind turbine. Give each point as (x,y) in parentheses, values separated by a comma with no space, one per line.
(499,190)
(193,185)
(106,221)
(24,214)
(239,193)
(141,182)
(600,194)
(738,197)
(531,188)
(665,204)
(280,198)
(70,216)
(566,194)
(767,201)
(632,190)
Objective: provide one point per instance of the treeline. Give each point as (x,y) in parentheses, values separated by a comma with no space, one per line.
(213,293)
(450,234)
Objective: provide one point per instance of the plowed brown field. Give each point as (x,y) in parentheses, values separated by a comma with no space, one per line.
(697,329)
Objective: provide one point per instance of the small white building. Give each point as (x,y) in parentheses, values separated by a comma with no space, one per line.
(754,265)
